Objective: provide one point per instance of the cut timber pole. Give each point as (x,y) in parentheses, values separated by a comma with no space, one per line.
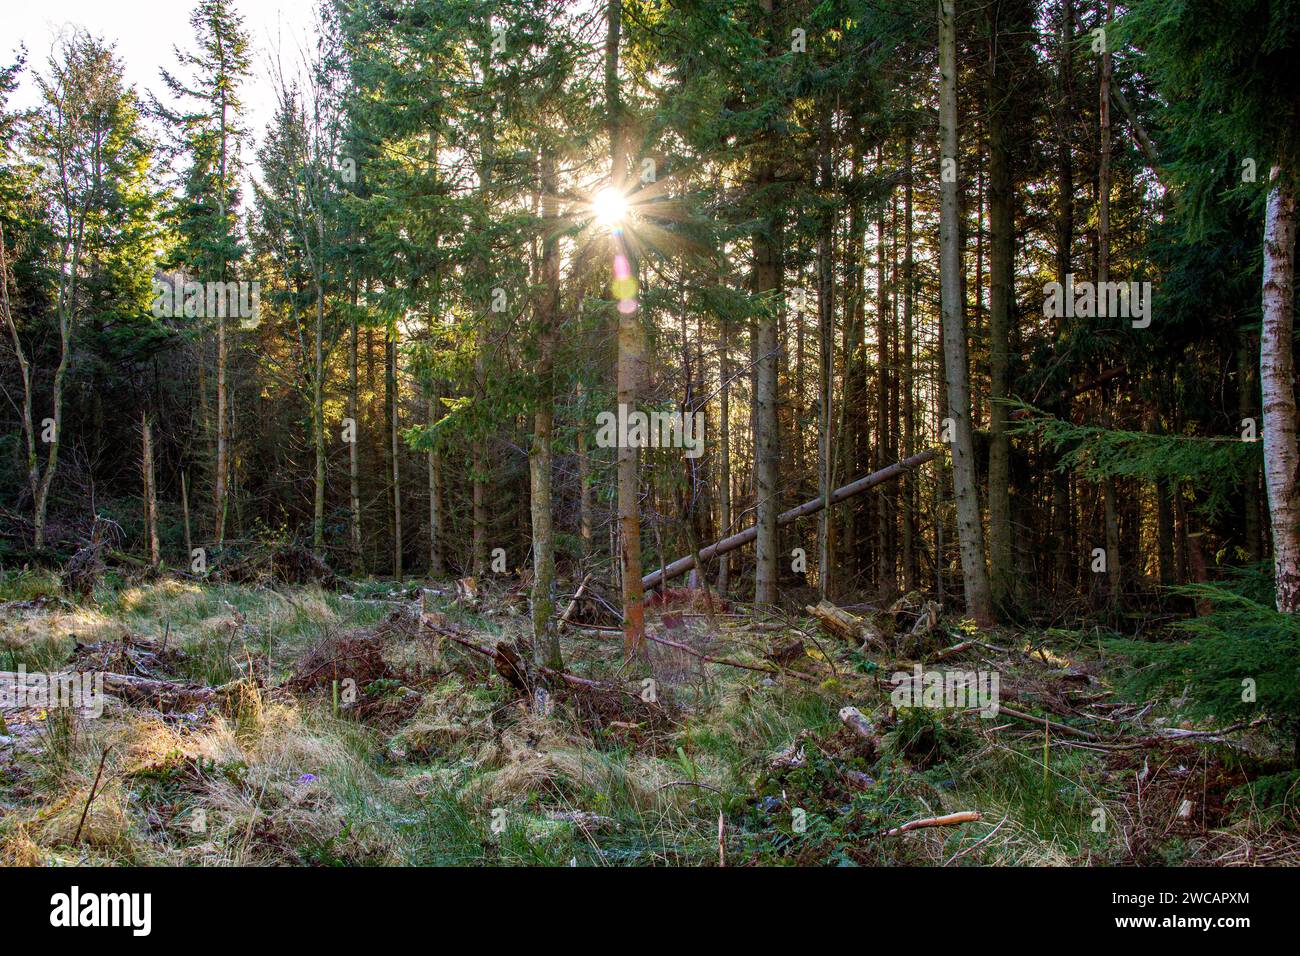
(866,482)
(896,470)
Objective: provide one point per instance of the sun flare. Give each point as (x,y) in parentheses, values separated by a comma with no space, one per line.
(610,207)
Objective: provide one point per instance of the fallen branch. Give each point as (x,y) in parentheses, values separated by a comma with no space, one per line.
(1062,728)
(951,819)
(948,652)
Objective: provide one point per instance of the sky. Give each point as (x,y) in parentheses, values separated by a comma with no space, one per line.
(145,32)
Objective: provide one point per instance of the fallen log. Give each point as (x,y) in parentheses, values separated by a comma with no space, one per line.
(161,695)
(837,622)
(866,482)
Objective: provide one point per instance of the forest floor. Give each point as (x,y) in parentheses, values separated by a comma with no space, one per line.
(265,723)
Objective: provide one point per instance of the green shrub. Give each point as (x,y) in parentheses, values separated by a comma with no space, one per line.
(1241,660)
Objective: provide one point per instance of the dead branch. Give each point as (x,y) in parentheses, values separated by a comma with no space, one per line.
(951,819)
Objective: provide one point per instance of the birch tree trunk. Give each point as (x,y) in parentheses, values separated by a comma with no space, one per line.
(1277,384)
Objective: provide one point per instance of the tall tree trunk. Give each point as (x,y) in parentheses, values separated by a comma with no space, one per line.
(354,446)
(852,439)
(1114,593)
(909,413)
(1002,239)
(546,641)
(223,425)
(437,568)
(887,565)
(1277,384)
(1061,515)
(394,426)
(318,419)
(24,369)
(970,530)
(724,439)
(150,490)
(65,308)
(1165,534)
(1247,409)
(585,521)
(766,442)
(185,514)
(826,359)
(478,509)
(631,360)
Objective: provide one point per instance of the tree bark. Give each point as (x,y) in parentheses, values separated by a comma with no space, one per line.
(1001,201)
(1114,591)
(546,641)
(724,439)
(1277,384)
(886,563)
(318,416)
(630,363)
(970,530)
(150,491)
(395,446)
(1061,516)
(766,442)
(826,360)
(354,446)
(909,414)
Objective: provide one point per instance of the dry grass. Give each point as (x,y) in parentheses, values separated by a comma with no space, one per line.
(421,771)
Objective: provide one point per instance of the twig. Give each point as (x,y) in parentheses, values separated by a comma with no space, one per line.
(686,783)
(970,849)
(1064,728)
(90,798)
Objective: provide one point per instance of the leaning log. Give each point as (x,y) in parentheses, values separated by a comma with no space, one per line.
(865,483)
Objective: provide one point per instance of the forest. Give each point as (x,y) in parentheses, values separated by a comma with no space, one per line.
(654,433)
